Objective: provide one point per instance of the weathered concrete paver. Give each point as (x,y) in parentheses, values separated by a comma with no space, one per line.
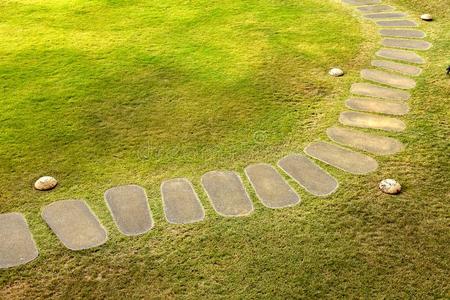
(309,175)
(396,108)
(342,158)
(227,193)
(397,23)
(129,208)
(375,144)
(371,90)
(17,246)
(270,186)
(385,15)
(361,2)
(365,120)
(386,78)
(396,67)
(405,33)
(181,202)
(74,224)
(375,8)
(406,44)
(403,55)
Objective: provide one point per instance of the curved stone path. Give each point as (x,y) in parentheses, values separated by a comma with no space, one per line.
(382,91)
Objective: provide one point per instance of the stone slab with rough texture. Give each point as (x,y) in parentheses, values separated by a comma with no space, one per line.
(270,186)
(397,23)
(396,108)
(17,246)
(227,193)
(309,175)
(375,144)
(402,55)
(387,78)
(397,67)
(361,2)
(74,224)
(129,208)
(342,158)
(385,15)
(375,8)
(405,33)
(371,90)
(406,44)
(181,202)
(365,120)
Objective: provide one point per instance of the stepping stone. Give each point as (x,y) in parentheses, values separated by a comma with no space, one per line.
(371,90)
(309,175)
(375,144)
(388,15)
(181,203)
(270,186)
(364,120)
(375,8)
(361,2)
(129,208)
(402,55)
(227,193)
(397,108)
(397,67)
(397,23)
(406,44)
(405,33)
(388,79)
(17,246)
(342,158)
(74,224)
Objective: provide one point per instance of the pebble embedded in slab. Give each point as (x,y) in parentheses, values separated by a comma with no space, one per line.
(336,72)
(390,186)
(426,17)
(45,183)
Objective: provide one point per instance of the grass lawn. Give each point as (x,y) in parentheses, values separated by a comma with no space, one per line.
(108,92)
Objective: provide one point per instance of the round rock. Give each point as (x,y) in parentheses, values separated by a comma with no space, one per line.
(45,183)
(390,186)
(426,17)
(336,72)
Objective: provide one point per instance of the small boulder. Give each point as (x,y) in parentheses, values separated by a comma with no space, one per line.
(45,183)
(390,186)
(336,72)
(426,17)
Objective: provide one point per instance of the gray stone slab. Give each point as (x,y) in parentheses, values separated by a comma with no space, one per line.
(17,246)
(385,15)
(342,158)
(227,193)
(397,23)
(181,202)
(361,2)
(129,208)
(402,55)
(391,79)
(397,108)
(270,186)
(405,33)
(375,8)
(309,175)
(397,67)
(375,144)
(406,44)
(364,120)
(371,90)
(74,224)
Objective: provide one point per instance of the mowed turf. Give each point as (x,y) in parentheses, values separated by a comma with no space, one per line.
(101,93)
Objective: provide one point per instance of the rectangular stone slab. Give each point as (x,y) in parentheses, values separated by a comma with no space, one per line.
(270,186)
(402,55)
(386,15)
(375,8)
(406,44)
(309,175)
(361,2)
(397,67)
(375,144)
(405,33)
(364,120)
(227,193)
(371,90)
(342,158)
(397,23)
(74,224)
(17,246)
(396,108)
(386,78)
(181,202)
(128,205)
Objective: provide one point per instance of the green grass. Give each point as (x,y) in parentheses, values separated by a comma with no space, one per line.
(100,93)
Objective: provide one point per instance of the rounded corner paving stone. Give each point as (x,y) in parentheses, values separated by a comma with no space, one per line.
(227,193)
(396,108)
(74,224)
(406,44)
(402,55)
(397,23)
(181,202)
(397,67)
(387,15)
(387,78)
(128,205)
(17,246)
(365,120)
(375,8)
(403,33)
(376,91)
(361,2)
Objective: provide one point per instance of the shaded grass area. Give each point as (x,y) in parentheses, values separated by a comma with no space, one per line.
(101,93)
